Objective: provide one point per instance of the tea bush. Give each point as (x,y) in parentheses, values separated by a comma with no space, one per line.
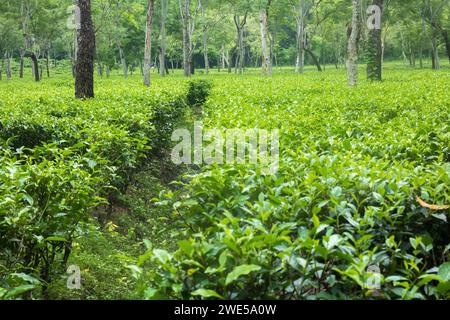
(198,92)
(344,201)
(63,157)
(44,195)
(341,214)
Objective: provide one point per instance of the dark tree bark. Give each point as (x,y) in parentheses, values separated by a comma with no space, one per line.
(314,59)
(374,49)
(8,66)
(435,63)
(447,44)
(35,63)
(84,69)
(47,64)
(21,64)
(444,34)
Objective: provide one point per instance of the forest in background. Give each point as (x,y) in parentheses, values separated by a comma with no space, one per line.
(227,35)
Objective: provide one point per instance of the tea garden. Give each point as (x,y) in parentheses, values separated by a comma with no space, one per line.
(363,184)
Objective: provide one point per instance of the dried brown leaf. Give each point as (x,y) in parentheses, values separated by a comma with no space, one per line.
(432,206)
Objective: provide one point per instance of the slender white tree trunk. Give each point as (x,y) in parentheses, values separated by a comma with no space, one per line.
(300,64)
(352,62)
(266,52)
(202,4)
(185,17)
(148,42)
(123,61)
(300,16)
(162,60)
(240,27)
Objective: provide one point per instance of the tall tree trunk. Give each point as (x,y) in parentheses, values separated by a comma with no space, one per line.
(314,59)
(229,61)
(185,16)
(123,61)
(300,16)
(202,4)
(240,58)
(167,68)
(25,15)
(22,57)
(236,62)
(6,63)
(222,51)
(84,69)
(374,46)
(205,50)
(33,68)
(413,58)
(434,52)
(162,58)
(241,52)
(300,62)
(34,65)
(352,61)
(148,42)
(447,44)
(74,53)
(100,69)
(266,51)
(47,63)
(422,40)
(8,67)
(301,10)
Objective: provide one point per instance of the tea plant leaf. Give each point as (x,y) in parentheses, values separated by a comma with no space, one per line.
(241,271)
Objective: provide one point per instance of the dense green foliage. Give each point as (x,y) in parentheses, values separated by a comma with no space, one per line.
(344,199)
(63,157)
(355,206)
(352,162)
(409,30)
(198,92)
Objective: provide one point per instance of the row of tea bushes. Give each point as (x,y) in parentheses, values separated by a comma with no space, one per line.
(62,157)
(44,194)
(340,219)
